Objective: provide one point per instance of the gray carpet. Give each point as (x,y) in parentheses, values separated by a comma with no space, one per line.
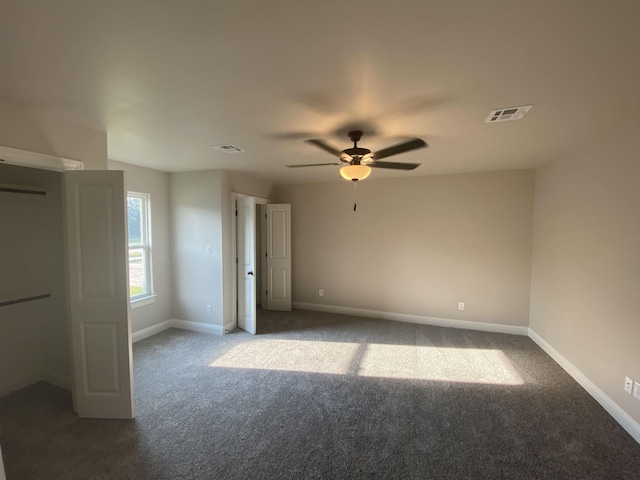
(327,396)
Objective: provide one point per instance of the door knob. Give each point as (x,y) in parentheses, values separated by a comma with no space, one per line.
(250,273)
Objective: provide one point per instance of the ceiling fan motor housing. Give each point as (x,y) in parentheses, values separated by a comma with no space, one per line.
(356,156)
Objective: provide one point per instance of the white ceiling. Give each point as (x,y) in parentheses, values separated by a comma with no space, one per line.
(168,80)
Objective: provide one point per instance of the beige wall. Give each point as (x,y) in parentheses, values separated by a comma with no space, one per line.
(586,262)
(34,335)
(42,132)
(416,246)
(196,218)
(248,184)
(157,185)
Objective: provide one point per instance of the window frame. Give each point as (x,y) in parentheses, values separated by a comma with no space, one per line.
(147,296)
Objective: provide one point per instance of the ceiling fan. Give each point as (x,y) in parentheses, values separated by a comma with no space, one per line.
(357,162)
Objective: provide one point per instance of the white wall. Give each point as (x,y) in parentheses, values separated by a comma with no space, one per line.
(586,262)
(196,218)
(34,335)
(200,216)
(416,246)
(157,185)
(43,132)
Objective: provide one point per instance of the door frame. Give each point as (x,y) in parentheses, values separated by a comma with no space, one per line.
(43,161)
(234,249)
(26,158)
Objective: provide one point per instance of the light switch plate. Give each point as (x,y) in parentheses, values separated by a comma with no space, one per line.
(628,385)
(636,390)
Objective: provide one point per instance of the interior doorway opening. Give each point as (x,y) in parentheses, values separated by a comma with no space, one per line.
(248,253)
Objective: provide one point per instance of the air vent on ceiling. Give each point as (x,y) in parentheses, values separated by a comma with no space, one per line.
(506,114)
(228,148)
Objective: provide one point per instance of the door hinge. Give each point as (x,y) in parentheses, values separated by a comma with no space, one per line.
(265,215)
(236,260)
(266,254)
(236,213)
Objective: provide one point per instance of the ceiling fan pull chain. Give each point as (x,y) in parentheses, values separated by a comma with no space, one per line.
(355,193)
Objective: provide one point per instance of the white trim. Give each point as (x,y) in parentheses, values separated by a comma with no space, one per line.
(173,323)
(3,475)
(234,260)
(619,415)
(141,302)
(149,331)
(25,158)
(419,319)
(197,327)
(261,200)
(234,253)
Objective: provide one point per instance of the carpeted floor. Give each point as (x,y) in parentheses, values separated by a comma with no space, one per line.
(327,396)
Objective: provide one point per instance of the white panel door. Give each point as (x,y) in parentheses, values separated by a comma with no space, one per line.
(99,293)
(245,274)
(279,257)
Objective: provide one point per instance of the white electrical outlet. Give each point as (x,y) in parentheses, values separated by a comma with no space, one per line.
(208,250)
(460,305)
(628,385)
(321,292)
(209,310)
(636,390)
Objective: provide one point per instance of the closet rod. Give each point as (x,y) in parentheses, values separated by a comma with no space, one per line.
(21,189)
(25,299)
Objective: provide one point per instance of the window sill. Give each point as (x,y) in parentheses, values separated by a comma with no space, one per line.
(141,302)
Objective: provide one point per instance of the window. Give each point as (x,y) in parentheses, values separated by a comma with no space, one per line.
(139,246)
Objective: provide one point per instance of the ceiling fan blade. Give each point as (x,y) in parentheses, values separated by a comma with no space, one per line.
(324,146)
(395,165)
(400,148)
(312,165)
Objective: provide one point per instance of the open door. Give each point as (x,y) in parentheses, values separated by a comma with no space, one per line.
(245,268)
(98,293)
(278,257)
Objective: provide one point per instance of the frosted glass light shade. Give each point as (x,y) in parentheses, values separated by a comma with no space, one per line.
(355,172)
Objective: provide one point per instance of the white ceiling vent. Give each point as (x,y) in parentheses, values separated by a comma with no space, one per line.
(506,114)
(228,148)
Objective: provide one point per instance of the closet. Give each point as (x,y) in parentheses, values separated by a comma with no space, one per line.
(33,310)
(64,300)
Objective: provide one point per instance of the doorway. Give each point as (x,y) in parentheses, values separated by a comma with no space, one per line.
(261,253)
(92,297)
(248,234)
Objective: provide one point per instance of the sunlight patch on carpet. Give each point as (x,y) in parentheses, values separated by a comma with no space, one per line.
(410,362)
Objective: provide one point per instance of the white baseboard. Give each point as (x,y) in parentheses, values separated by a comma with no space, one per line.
(174,323)
(419,319)
(197,327)
(622,417)
(149,331)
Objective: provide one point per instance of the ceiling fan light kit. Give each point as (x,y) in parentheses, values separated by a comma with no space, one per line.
(355,172)
(356,162)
